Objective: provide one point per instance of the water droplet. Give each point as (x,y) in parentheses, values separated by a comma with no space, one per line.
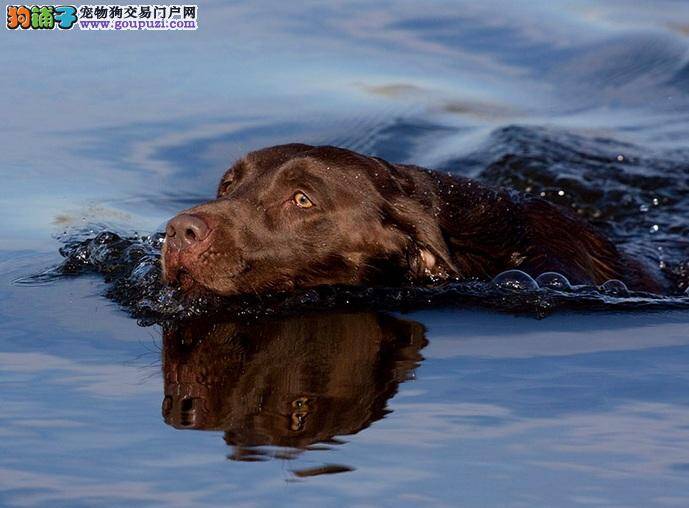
(654,228)
(560,193)
(554,280)
(656,201)
(515,280)
(644,208)
(614,287)
(620,157)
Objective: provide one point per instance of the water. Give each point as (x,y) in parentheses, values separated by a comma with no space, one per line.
(439,405)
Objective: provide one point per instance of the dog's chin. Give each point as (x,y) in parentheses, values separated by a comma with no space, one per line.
(185,283)
(192,287)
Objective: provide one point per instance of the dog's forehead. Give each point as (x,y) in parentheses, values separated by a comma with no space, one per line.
(275,156)
(314,164)
(345,177)
(266,158)
(301,160)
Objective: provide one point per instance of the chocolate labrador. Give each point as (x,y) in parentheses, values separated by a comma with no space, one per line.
(297,216)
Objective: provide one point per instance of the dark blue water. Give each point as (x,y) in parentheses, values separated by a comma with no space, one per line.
(582,102)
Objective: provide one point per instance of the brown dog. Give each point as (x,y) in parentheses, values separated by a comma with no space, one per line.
(296,216)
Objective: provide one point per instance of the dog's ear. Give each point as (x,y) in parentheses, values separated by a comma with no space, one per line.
(427,252)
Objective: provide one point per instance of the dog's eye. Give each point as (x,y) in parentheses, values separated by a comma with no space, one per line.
(302,200)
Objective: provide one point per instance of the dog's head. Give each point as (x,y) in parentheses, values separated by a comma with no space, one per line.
(296,216)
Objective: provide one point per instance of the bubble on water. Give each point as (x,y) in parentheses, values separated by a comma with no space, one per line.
(515,280)
(554,280)
(614,287)
(620,157)
(644,208)
(654,228)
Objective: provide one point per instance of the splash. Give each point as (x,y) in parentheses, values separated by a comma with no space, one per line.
(639,197)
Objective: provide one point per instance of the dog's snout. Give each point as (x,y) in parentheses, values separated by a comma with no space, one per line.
(186,230)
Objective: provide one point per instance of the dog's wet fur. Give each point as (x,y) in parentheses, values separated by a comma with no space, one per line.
(298,216)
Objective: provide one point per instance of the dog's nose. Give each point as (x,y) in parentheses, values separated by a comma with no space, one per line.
(186,230)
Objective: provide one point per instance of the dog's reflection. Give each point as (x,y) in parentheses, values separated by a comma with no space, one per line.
(289,382)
